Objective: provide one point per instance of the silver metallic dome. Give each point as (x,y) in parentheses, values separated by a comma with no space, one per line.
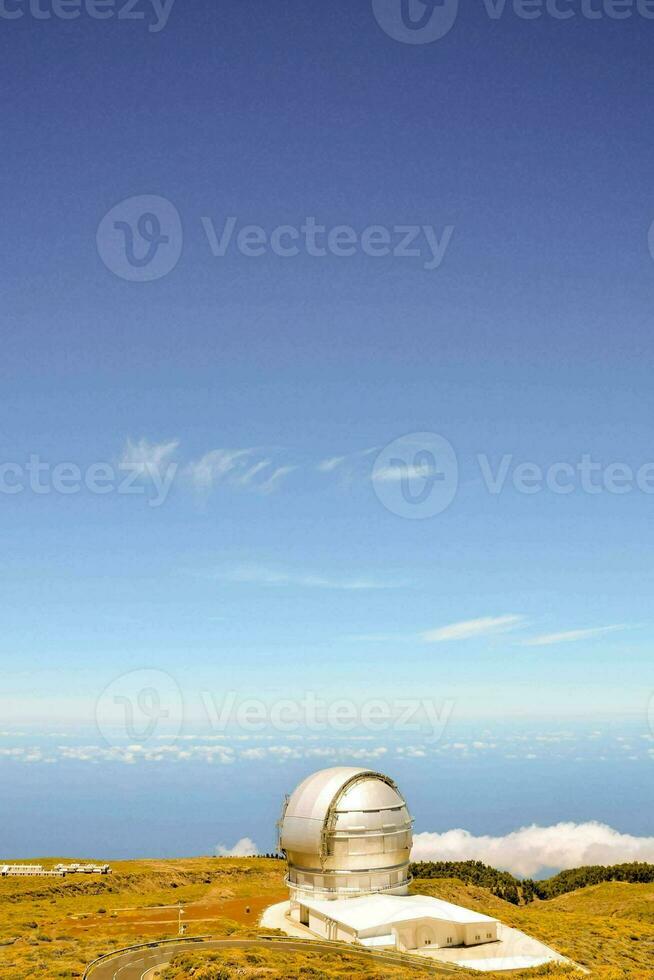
(346,832)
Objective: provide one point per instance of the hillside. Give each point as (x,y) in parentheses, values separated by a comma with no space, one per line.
(520,891)
(268,965)
(606,928)
(52,928)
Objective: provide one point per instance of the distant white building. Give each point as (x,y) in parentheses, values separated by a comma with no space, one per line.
(59,870)
(347,836)
(27,871)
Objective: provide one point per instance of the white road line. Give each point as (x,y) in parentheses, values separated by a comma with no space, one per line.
(128,966)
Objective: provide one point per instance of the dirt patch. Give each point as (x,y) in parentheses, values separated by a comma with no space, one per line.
(156,921)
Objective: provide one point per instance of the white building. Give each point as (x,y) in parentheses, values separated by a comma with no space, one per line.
(347,836)
(27,871)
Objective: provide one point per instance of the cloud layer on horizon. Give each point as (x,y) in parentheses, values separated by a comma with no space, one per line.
(533,850)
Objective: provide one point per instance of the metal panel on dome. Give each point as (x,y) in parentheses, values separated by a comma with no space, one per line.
(370,795)
(308,807)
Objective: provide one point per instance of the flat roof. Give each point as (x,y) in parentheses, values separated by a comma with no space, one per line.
(373,911)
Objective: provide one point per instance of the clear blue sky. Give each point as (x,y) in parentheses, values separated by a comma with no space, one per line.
(532,338)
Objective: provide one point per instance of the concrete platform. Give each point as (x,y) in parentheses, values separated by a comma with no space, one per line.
(276,917)
(514,950)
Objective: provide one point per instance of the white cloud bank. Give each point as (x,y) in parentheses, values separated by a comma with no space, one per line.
(531,850)
(243,848)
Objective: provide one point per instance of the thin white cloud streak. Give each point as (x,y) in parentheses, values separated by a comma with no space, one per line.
(257,470)
(348,467)
(245,847)
(471,628)
(332,463)
(276,478)
(572,636)
(260,575)
(394,474)
(240,469)
(375,638)
(146,457)
(534,849)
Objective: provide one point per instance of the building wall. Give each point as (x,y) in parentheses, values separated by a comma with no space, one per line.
(480,932)
(414,934)
(428,932)
(317,924)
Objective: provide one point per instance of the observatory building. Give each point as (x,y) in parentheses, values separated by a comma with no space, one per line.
(347,836)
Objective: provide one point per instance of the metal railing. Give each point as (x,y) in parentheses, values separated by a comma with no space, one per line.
(106,957)
(386,956)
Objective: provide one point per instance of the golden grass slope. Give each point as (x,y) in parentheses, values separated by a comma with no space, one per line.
(52,928)
(608,928)
(271,965)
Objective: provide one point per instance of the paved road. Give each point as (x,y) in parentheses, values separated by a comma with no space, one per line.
(138,964)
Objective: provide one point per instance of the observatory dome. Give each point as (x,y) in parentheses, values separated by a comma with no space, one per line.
(346,832)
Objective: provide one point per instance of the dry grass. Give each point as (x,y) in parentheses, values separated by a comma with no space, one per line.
(52,928)
(272,965)
(608,928)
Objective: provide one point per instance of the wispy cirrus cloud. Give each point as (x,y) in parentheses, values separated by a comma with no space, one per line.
(572,636)
(348,466)
(146,457)
(471,628)
(257,470)
(255,574)
(241,469)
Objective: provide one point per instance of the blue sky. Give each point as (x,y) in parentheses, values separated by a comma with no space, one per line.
(280,571)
